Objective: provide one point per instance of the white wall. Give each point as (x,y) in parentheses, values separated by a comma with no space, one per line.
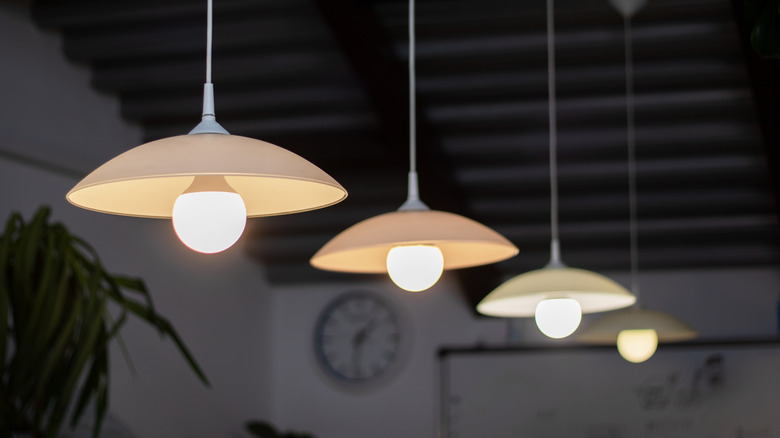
(721,304)
(220,304)
(47,109)
(306,400)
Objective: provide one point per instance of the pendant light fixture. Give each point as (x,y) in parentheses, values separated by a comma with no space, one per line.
(413,244)
(208,181)
(555,295)
(636,331)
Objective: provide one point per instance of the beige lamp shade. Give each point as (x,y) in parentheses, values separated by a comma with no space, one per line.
(605,330)
(363,247)
(146,181)
(518,297)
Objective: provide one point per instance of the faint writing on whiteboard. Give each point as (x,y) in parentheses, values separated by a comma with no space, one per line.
(677,390)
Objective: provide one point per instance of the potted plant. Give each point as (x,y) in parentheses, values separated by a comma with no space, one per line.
(56,327)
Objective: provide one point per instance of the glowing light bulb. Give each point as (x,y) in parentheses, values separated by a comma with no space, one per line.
(558,317)
(415,267)
(637,345)
(209,216)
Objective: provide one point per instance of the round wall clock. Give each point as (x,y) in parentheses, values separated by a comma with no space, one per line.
(357,338)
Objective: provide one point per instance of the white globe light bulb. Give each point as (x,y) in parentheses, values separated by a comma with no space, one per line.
(558,317)
(637,345)
(209,222)
(415,267)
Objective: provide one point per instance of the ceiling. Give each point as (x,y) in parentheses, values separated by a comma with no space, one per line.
(327,80)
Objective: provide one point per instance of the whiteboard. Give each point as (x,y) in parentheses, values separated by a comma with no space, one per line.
(698,391)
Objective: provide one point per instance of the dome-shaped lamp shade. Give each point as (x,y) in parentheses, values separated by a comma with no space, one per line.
(146,181)
(363,247)
(605,330)
(519,296)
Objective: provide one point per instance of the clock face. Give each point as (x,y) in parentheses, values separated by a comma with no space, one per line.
(357,338)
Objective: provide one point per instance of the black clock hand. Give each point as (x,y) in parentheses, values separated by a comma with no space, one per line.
(357,353)
(364,332)
(357,344)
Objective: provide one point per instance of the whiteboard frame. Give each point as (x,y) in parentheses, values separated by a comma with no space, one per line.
(446,353)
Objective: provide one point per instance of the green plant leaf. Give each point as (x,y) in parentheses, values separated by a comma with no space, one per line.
(5,254)
(91,383)
(93,333)
(165,328)
(137,286)
(123,347)
(101,404)
(58,352)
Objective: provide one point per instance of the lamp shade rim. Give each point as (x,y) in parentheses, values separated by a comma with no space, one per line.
(328,262)
(70,195)
(519,296)
(363,247)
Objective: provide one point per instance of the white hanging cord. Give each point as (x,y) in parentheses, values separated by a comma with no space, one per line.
(631,140)
(209,31)
(555,241)
(208,124)
(413,196)
(412,94)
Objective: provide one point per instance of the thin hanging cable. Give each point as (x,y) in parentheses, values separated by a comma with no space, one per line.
(631,141)
(412,94)
(413,202)
(208,124)
(209,25)
(555,248)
